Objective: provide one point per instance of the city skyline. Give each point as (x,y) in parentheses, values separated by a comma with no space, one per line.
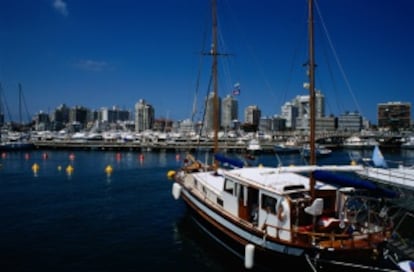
(115,53)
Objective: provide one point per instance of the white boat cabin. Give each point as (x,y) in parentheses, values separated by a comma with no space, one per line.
(278,203)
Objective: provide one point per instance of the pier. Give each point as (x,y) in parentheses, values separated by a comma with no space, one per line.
(329,140)
(267,147)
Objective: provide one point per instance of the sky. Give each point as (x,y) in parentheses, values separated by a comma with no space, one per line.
(113,53)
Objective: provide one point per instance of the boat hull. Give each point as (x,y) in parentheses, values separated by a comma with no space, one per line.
(235,244)
(269,253)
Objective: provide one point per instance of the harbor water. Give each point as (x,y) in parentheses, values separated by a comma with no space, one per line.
(88,218)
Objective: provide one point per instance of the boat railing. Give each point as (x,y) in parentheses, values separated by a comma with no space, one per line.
(391,175)
(331,238)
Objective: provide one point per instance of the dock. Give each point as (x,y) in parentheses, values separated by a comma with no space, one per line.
(148,146)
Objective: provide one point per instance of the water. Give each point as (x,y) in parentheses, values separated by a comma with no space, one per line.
(91,221)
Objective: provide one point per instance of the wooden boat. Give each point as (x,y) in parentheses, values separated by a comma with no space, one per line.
(308,216)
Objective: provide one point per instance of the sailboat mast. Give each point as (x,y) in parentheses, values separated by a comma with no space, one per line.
(20,104)
(215,75)
(311,93)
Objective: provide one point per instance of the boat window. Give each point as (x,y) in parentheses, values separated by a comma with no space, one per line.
(240,191)
(293,187)
(299,195)
(269,203)
(229,186)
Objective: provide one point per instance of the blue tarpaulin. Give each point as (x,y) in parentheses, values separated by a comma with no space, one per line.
(343,180)
(234,162)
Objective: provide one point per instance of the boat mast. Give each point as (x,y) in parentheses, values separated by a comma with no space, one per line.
(311,73)
(214,71)
(20,104)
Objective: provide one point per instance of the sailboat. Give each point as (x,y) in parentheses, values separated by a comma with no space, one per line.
(17,137)
(311,217)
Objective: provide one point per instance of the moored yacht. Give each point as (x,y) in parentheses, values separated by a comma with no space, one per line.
(357,142)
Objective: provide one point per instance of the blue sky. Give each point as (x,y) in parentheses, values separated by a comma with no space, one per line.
(113,53)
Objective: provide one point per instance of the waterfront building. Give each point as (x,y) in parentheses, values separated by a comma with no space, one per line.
(265,124)
(209,116)
(185,127)
(326,123)
(252,115)
(59,118)
(229,110)
(42,121)
(113,115)
(302,104)
(350,121)
(272,124)
(79,115)
(144,116)
(163,125)
(289,112)
(394,115)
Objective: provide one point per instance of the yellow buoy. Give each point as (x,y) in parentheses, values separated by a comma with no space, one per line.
(108,170)
(35,168)
(171,174)
(69,169)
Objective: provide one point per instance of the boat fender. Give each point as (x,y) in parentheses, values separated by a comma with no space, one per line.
(176,190)
(281,213)
(249,256)
(170,174)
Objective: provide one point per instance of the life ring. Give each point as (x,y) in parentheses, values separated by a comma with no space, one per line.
(281,214)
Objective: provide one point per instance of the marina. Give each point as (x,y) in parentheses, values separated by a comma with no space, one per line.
(152,140)
(260,169)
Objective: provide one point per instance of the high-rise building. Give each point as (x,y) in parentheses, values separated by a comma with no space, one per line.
(252,115)
(79,115)
(229,111)
(144,116)
(113,115)
(289,112)
(302,102)
(42,121)
(210,115)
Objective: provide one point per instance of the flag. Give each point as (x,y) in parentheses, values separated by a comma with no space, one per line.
(378,158)
(236,89)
